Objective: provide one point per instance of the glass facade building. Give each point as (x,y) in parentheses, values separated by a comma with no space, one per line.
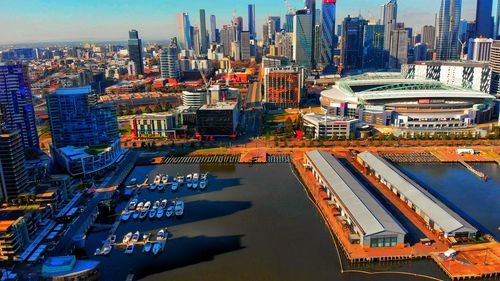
(251,21)
(135,51)
(328,40)
(448,29)
(484,19)
(303,39)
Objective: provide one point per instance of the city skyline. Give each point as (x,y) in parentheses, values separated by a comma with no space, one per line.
(109,21)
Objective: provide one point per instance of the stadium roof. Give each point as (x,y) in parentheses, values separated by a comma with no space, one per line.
(439,213)
(365,210)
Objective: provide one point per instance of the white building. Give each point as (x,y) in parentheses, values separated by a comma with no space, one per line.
(194,99)
(479,49)
(326,127)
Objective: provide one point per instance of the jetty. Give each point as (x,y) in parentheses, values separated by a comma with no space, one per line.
(473,170)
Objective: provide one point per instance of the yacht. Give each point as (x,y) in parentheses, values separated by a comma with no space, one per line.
(157,179)
(161,186)
(133,181)
(152,186)
(170,212)
(152,213)
(196,180)
(106,250)
(143,214)
(156,248)
(112,239)
(164,203)
(156,205)
(174,186)
(147,206)
(135,237)
(161,235)
(140,206)
(130,249)
(180,179)
(189,179)
(179,208)
(147,247)
(136,214)
(132,204)
(125,216)
(146,236)
(127,238)
(203,184)
(164,179)
(159,213)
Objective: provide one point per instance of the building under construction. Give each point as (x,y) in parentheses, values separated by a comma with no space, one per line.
(283,86)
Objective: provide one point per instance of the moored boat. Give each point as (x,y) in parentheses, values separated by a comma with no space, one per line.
(143,214)
(180,179)
(133,181)
(130,249)
(125,216)
(170,212)
(160,235)
(179,208)
(164,179)
(135,237)
(174,186)
(156,205)
(140,206)
(161,186)
(159,213)
(147,206)
(157,179)
(147,247)
(136,214)
(132,204)
(152,213)
(127,237)
(164,203)
(156,248)
(106,250)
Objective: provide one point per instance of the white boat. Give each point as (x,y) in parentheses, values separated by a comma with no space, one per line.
(203,184)
(156,205)
(157,179)
(161,186)
(170,212)
(130,249)
(106,250)
(196,179)
(143,214)
(136,214)
(189,178)
(179,208)
(133,181)
(174,186)
(127,238)
(161,235)
(135,237)
(196,176)
(146,236)
(133,204)
(140,206)
(156,248)
(152,213)
(112,239)
(180,179)
(159,213)
(147,247)
(164,179)
(125,216)
(164,203)
(147,206)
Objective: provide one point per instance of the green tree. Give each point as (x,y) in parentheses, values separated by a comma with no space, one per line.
(148,109)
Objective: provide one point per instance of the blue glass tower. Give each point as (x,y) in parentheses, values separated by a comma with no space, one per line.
(135,51)
(289,23)
(448,27)
(251,21)
(16,103)
(484,19)
(328,41)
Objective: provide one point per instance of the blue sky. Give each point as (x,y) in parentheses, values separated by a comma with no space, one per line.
(66,20)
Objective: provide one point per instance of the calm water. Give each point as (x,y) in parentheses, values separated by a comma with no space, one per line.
(476,200)
(256,223)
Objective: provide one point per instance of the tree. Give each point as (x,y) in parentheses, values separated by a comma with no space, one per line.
(138,111)
(148,109)
(158,108)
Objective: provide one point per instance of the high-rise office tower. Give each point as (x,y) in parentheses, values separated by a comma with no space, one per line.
(494,64)
(203,32)
(398,48)
(169,61)
(135,51)
(303,42)
(389,20)
(245,45)
(497,21)
(265,34)
(13,176)
(479,49)
(184,31)
(213,29)
(274,25)
(448,25)
(484,19)
(310,5)
(289,23)
(429,36)
(227,38)
(317,45)
(16,103)
(352,43)
(251,21)
(328,41)
(237,27)
(196,37)
(373,44)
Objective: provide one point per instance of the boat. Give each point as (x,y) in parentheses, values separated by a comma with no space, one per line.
(203,184)
(146,236)
(106,250)
(135,237)
(156,205)
(174,186)
(169,212)
(156,248)
(161,235)
(132,204)
(157,179)
(97,252)
(189,179)
(159,213)
(125,216)
(112,239)
(161,186)
(179,208)
(164,203)
(147,247)
(147,206)
(136,214)
(152,213)
(133,181)
(196,179)
(180,179)
(140,206)
(152,186)
(127,238)
(130,249)
(196,176)
(204,176)
(164,179)
(143,214)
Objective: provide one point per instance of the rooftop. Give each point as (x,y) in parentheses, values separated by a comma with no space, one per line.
(219,106)
(74,90)
(5,224)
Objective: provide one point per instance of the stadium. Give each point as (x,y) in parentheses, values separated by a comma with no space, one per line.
(407,104)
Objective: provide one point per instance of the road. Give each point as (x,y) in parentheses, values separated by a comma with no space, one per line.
(251,120)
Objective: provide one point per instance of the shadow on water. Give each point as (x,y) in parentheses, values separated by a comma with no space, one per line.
(179,252)
(414,234)
(195,211)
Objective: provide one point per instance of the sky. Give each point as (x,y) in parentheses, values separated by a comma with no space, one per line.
(29,21)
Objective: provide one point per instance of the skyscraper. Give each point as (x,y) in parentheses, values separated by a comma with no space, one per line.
(227,38)
(289,23)
(398,48)
(245,45)
(310,5)
(274,25)
(303,43)
(497,21)
(13,176)
(429,35)
(213,29)
(389,20)
(448,25)
(135,51)
(203,32)
(184,31)
(494,64)
(373,44)
(251,21)
(169,61)
(484,19)
(16,104)
(479,49)
(328,41)
(352,43)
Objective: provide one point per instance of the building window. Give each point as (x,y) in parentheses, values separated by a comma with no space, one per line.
(383,242)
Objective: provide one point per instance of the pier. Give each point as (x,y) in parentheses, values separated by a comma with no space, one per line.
(212,159)
(474,171)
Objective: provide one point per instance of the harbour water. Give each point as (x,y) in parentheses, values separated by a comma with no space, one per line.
(254,223)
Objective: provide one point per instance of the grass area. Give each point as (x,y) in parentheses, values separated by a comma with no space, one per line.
(96,149)
(220,150)
(280,118)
